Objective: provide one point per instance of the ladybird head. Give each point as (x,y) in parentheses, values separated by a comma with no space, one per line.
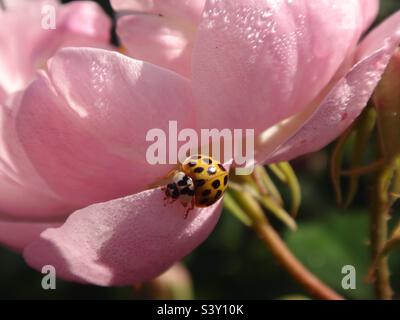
(180,187)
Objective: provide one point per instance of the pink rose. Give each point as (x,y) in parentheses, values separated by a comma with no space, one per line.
(74,144)
(25,44)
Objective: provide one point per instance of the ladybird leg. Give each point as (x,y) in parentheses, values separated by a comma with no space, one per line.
(165,201)
(163,189)
(185,204)
(169,201)
(189,209)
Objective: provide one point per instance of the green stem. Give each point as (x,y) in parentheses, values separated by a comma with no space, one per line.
(280,251)
(293,266)
(365,169)
(379,232)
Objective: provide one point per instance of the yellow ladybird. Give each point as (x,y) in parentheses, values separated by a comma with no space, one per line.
(209,176)
(200,181)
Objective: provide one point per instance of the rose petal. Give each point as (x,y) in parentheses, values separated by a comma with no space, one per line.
(29,45)
(19,201)
(84,129)
(161,32)
(18,178)
(12,4)
(155,39)
(347,99)
(268,59)
(387,32)
(84,23)
(190,10)
(370,10)
(123,241)
(17,235)
(2,95)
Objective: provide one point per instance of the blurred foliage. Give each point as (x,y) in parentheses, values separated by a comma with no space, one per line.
(339,240)
(233,263)
(387,8)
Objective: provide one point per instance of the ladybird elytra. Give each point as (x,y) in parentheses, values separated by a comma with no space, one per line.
(200,180)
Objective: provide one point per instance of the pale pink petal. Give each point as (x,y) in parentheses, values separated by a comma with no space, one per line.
(161,31)
(84,128)
(188,9)
(13,4)
(18,201)
(23,193)
(370,9)
(2,94)
(382,35)
(125,4)
(265,60)
(17,235)
(347,99)
(153,39)
(85,22)
(29,45)
(123,241)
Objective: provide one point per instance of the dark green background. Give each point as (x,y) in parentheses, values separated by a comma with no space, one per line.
(233,263)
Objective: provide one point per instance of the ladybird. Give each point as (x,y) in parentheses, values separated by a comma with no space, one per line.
(180,187)
(199,181)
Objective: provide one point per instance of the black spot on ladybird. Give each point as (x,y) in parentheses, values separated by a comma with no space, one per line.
(199,183)
(221,167)
(225,180)
(198,170)
(216,184)
(206,193)
(206,160)
(204,201)
(192,164)
(219,193)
